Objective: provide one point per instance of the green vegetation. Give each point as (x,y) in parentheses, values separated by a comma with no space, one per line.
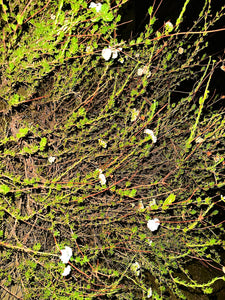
(78,167)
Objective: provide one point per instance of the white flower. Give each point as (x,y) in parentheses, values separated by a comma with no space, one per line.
(101,177)
(140,72)
(199,140)
(153,224)
(97,6)
(66,254)
(150,242)
(52,17)
(168,26)
(66,271)
(181,50)
(149,293)
(143,71)
(121,60)
(151,133)
(153,202)
(106,53)
(222,197)
(134,114)
(135,267)
(102,143)
(88,49)
(115,52)
(51,159)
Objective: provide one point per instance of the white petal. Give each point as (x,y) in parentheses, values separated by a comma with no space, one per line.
(140,72)
(66,271)
(151,133)
(168,26)
(149,293)
(66,254)
(150,242)
(102,143)
(199,140)
(134,114)
(106,53)
(136,268)
(114,54)
(51,159)
(181,50)
(153,224)
(98,7)
(102,179)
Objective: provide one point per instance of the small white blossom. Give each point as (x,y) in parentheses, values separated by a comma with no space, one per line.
(149,293)
(168,26)
(181,50)
(115,52)
(151,133)
(134,114)
(66,254)
(101,177)
(51,159)
(88,49)
(97,6)
(121,60)
(140,72)
(52,17)
(136,268)
(143,71)
(153,224)
(199,140)
(150,242)
(66,271)
(153,202)
(106,53)
(222,197)
(102,143)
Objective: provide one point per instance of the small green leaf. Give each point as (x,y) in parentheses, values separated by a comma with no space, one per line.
(19,19)
(150,10)
(37,247)
(43,143)
(22,132)
(4,189)
(169,200)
